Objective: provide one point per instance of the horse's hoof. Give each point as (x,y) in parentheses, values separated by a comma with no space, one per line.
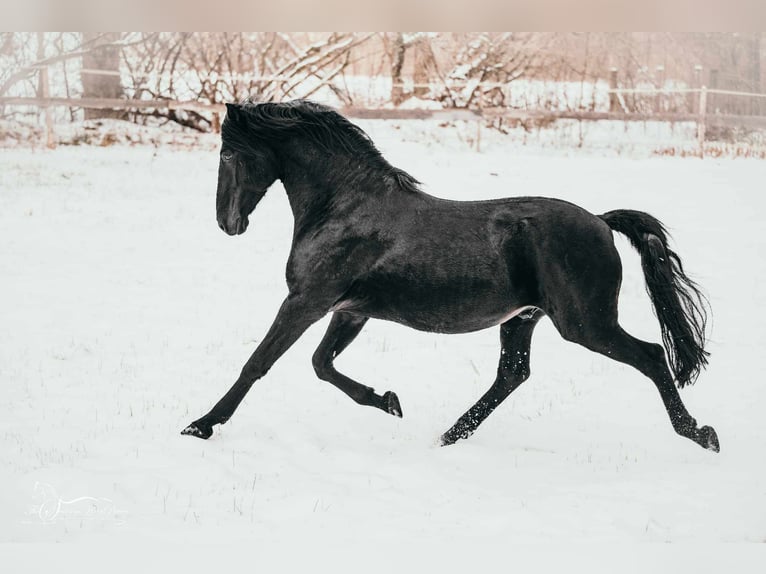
(452,436)
(200,430)
(392,404)
(708,439)
(446,440)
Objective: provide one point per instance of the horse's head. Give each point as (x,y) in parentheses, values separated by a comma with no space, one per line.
(245,172)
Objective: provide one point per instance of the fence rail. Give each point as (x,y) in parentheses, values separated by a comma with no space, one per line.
(702,117)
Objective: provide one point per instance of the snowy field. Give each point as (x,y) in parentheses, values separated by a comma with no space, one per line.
(126,313)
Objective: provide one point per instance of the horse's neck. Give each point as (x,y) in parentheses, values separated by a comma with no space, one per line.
(304,198)
(316,190)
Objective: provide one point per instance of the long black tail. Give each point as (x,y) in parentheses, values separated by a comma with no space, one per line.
(678,302)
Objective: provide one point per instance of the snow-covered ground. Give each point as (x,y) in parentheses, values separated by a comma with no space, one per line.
(126,313)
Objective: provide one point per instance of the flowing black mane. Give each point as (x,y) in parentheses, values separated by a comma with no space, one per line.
(268,123)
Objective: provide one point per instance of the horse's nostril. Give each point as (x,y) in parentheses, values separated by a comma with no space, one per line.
(220,224)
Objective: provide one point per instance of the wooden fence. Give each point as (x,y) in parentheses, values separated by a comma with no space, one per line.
(701,115)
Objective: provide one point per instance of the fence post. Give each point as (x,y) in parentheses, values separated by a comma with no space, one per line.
(701,121)
(659,97)
(697,84)
(44,89)
(716,100)
(614,102)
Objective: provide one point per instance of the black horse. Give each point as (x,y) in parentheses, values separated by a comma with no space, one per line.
(367,242)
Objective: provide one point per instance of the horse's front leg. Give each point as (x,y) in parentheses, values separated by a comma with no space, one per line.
(295,316)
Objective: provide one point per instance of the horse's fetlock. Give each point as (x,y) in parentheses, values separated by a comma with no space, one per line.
(519,372)
(684,425)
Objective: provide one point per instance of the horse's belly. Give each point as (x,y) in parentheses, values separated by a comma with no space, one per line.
(440,310)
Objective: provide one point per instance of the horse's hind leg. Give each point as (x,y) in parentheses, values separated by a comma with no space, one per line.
(515,340)
(649,358)
(343,329)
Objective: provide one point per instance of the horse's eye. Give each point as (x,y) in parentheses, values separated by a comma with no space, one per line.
(226,156)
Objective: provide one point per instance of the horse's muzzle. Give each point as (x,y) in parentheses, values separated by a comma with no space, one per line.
(236,227)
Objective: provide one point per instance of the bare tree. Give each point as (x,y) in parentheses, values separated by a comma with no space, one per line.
(487,60)
(398,51)
(17,49)
(224,67)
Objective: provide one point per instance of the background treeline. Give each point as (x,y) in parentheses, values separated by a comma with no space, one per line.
(571,71)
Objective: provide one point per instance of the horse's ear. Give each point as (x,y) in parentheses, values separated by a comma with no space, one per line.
(233,112)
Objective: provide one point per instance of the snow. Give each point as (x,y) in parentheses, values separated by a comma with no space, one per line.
(127,313)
